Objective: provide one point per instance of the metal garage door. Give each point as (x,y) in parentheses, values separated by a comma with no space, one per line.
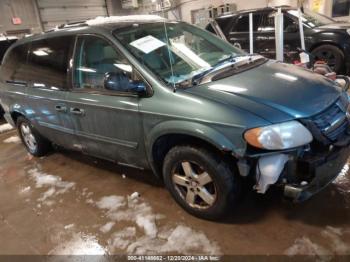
(56,12)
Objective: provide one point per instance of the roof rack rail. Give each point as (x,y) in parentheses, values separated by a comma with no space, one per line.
(68,25)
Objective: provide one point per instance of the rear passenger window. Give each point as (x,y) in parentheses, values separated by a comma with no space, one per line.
(15,67)
(48,60)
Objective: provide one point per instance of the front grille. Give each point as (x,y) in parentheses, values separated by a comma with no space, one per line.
(333,122)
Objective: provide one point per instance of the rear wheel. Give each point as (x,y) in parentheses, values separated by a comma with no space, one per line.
(330,54)
(36,144)
(200,182)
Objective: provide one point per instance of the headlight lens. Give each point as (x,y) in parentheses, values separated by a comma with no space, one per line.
(348,30)
(280,136)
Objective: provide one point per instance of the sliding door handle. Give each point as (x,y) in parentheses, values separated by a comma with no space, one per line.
(61,108)
(17,82)
(77,111)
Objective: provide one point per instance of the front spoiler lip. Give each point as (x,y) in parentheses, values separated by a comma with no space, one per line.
(327,173)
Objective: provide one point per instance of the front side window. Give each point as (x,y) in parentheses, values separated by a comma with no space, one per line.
(175,51)
(48,60)
(242,24)
(268,23)
(99,66)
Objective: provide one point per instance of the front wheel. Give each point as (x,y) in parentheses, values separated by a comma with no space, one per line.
(332,55)
(200,182)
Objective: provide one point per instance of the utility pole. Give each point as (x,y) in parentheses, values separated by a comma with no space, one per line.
(301,27)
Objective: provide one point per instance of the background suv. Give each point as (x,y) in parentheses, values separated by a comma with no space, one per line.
(325,38)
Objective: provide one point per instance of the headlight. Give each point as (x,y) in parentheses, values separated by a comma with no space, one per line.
(348,30)
(280,136)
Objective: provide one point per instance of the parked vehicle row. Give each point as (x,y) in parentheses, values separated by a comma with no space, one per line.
(162,95)
(326,39)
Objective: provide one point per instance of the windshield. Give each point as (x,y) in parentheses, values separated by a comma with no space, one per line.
(312,19)
(191,50)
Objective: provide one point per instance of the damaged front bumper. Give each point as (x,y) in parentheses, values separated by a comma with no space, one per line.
(314,173)
(301,173)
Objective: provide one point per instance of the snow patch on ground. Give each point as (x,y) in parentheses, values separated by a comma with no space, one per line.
(24,190)
(333,236)
(54,183)
(111,203)
(148,224)
(338,246)
(342,178)
(68,226)
(5,127)
(304,246)
(145,237)
(47,194)
(122,239)
(180,240)
(107,227)
(12,139)
(80,244)
(134,195)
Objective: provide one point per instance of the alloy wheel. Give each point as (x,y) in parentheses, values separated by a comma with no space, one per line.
(194,185)
(28,137)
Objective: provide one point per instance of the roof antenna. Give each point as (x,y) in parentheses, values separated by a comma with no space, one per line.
(168,47)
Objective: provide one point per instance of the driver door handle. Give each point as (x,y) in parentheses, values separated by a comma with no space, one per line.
(77,111)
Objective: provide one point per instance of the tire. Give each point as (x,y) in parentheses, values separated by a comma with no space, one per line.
(224,187)
(36,144)
(330,54)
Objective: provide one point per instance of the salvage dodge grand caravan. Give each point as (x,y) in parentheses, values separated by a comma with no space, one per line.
(151,93)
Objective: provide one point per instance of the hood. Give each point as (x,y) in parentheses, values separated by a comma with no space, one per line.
(339,25)
(273,91)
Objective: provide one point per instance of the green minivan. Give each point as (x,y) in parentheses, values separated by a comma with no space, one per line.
(150,93)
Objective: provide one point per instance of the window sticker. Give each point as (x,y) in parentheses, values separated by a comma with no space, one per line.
(147,44)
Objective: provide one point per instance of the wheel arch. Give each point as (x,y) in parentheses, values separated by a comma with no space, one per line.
(16,111)
(318,44)
(169,134)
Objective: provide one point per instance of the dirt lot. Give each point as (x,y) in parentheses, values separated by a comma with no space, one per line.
(67,203)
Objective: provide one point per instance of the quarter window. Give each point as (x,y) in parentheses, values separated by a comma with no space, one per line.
(48,61)
(15,66)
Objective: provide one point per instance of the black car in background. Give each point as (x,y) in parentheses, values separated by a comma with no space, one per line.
(327,39)
(5,43)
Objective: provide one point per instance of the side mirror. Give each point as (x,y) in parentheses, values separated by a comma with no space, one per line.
(120,81)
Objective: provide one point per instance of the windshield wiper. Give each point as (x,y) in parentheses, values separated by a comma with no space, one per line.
(235,64)
(196,78)
(230,60)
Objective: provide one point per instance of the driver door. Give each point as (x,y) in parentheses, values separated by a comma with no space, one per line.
(107,122)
